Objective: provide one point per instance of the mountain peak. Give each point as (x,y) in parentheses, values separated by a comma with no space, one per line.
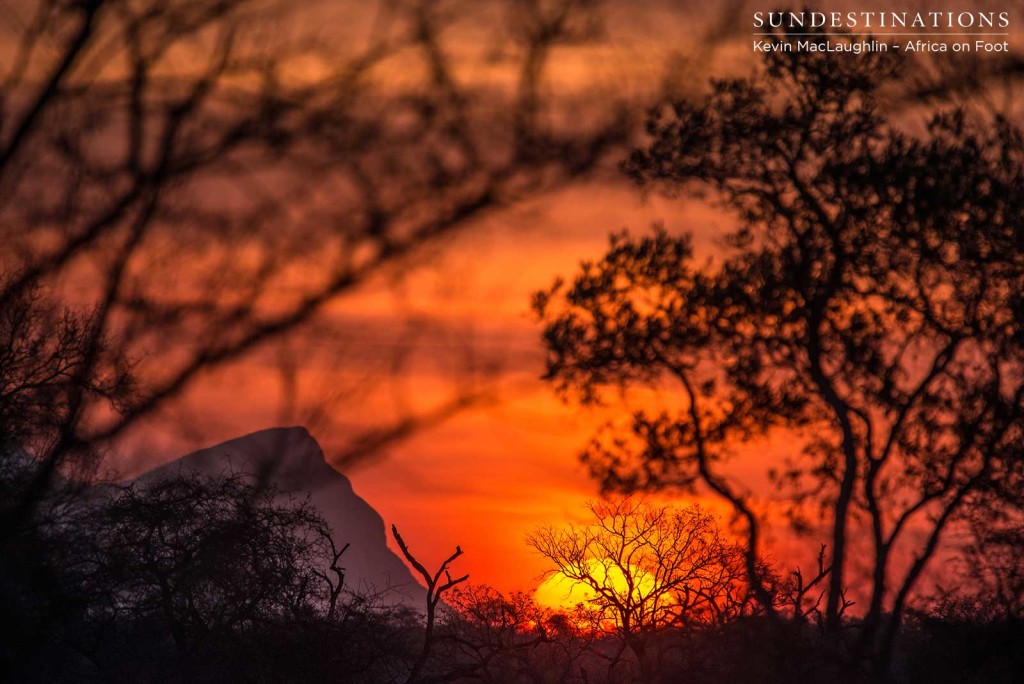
(292,461)
(290,457)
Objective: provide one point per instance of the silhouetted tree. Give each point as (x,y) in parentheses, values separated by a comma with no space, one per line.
(988,586)
(487,636)
(643,568)
(866,303)
(211,556)
(191,578)
(802,596)
(437,584)
(45,375)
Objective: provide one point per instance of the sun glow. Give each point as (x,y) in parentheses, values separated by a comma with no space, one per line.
(561,591)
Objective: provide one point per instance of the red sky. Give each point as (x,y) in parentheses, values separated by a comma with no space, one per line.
(487,476)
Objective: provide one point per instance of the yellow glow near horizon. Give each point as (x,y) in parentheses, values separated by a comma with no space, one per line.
(561,591)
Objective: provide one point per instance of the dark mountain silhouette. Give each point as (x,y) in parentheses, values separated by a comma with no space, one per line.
(292,461)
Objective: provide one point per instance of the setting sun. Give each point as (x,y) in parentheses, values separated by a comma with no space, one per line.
(561,591)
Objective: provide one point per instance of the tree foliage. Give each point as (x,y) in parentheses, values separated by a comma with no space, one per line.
(642,568)
(211,556)
(866,303)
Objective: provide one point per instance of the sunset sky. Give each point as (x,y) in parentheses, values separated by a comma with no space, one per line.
(591,341)
(486,476)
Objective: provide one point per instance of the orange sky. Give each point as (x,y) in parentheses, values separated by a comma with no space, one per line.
(487,476)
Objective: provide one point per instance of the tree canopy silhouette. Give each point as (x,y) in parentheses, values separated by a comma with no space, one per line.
(643,568)
(866,303)
(210,557)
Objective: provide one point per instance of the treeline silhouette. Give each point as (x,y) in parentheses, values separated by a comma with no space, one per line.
(221,578)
